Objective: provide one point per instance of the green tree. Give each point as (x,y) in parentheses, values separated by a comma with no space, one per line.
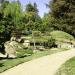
(47,22)
(3,20)
(14,10)
(64,13)
(31,16)
(1,1)
(4,35)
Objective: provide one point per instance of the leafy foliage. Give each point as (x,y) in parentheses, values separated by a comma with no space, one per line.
(48,21)
(63,12)
(50,43)
(13,18)
(31,18)
(14,10)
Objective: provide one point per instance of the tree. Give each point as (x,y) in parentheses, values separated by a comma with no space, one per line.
(2,19)
(1,1)
(31,16)
(64,13)
(47,22)
(4,35)
(14,10)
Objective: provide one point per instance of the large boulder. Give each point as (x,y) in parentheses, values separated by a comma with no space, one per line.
(10,49)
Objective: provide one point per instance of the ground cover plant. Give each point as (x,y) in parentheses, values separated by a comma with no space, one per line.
(68,68)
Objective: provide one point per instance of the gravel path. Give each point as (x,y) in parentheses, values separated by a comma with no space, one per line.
(47,65)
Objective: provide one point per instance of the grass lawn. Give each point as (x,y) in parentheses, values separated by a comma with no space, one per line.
(68,68)
(9,63)
(61,35)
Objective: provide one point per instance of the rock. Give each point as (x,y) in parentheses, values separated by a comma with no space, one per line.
(26,43)
(13,39)
(2,55)
(10,49)
(41,48)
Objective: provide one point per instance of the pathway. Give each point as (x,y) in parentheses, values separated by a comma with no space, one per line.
(47,65)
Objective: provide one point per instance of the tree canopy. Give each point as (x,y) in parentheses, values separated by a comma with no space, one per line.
(31,18)
(12,17)
(63,12)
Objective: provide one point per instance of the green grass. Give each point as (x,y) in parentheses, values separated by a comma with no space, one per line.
(61,35)
(41,38)
(9,63)
(68,68)
(38,38)
(58,35)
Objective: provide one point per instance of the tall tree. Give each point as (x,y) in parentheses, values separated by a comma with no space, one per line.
(14,11)
(31,16)
(35,8)
(2,19)
(47,22)
(64,13)
(1,1)
(4,35)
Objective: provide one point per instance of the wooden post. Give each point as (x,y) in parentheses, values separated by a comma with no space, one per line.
(33,41)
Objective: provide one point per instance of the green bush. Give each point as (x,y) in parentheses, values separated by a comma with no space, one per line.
(26,32)
(50,43)
(36,33)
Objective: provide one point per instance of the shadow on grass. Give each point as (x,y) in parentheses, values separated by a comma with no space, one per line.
(4,58)
(1,64)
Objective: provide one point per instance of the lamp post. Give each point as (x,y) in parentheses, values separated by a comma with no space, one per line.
(34,48)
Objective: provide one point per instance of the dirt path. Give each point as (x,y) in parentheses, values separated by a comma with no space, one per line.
(47,65)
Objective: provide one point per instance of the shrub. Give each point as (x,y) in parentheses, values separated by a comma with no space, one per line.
(37,33)
(26,32)
(50,43)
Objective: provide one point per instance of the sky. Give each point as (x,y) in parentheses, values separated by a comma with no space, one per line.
(41,4)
